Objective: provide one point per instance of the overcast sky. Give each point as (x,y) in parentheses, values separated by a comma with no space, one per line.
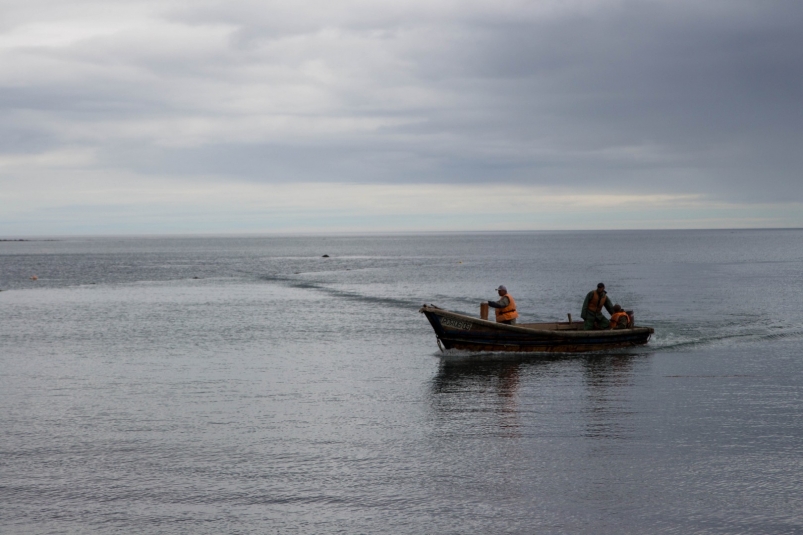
(142,116)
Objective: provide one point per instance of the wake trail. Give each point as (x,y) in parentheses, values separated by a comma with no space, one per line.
(671,343)
(395,302)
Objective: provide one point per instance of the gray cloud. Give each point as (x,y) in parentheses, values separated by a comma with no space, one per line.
(650,96)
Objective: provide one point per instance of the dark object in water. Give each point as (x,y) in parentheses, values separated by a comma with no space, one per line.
(325,256)
(459,331)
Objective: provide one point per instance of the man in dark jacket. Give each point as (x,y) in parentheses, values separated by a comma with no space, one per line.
(595,301)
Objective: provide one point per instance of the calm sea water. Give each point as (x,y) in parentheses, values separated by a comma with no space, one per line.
(248,385)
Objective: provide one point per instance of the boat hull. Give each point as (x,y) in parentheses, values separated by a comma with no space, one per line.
(459,331)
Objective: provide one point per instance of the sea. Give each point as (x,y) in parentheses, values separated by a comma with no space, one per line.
(289,384)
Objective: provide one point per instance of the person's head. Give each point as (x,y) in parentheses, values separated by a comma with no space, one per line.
(502,290)
(617,308)
(600,288)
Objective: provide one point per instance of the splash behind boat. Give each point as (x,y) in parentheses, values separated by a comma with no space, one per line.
(460,331)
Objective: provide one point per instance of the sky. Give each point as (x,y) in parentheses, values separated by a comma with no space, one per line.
(206,116)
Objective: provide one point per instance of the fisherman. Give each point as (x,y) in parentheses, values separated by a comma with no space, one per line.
(592,309)
(619,318)
(505,308)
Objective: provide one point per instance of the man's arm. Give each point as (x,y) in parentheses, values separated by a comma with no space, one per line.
(584,310)
(502,303)
(608,305)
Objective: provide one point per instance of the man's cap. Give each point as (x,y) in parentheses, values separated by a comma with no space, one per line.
(600,285)
(501,287)
(617,307)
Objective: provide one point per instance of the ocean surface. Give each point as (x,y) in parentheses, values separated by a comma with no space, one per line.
(249,385)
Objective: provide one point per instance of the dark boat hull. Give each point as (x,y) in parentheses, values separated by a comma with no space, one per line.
(459,331)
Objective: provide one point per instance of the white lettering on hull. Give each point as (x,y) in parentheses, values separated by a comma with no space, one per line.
(456,324)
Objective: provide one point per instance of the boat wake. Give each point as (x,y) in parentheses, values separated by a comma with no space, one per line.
(395,302)
(670,341)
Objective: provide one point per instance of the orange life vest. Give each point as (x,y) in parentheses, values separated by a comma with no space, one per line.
(595,304)
(617,316)
(507,313)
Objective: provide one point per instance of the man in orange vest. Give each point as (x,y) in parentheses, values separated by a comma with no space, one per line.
(595,301)
(619,318)
(505,308)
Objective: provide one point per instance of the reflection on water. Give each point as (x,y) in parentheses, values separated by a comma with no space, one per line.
(493,385)
(606,380)
(505,391)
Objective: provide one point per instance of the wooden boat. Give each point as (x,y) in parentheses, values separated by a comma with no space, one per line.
(459,331)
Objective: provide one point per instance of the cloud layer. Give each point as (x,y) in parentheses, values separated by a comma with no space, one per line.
(674,99)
